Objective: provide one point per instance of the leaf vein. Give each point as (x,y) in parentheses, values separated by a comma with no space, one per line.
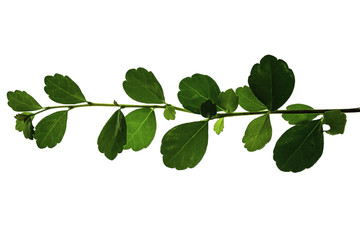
(142,123)
(51,129)
(63,90)
(187,142)
(303,142)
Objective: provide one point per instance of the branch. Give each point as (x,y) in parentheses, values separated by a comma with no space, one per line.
(314,111)
(271,83)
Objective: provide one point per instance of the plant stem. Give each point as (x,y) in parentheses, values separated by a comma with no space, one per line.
(91,104)
(319,111)
(219,115)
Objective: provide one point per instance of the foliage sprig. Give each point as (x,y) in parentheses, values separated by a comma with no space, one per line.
(270,85)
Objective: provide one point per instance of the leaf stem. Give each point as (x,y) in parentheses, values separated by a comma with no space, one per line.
(219,115)
(319,111)
(115,104)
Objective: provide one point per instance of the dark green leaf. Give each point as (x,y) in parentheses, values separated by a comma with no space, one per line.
(62,89)
(28,129)
(272,82)
(112,137)
(208,109)
(141,128)
(20,124)
(23,116)
(248,101)
(51,129)
(185,145)
(228,101)
(169,112)
(258,133)
(24,124)
(299,147)
(336,120)
(197,89)
(299,118)
(219,126)
(142,86)
(22,101)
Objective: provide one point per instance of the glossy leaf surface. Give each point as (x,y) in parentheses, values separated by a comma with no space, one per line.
(299,147)
(208,109)
(62,89)
(141,128)
(248,101)
(219,126)
(336,120)
(185,145)
(22,101)
(142,86)
(228,101)
(51,129)
(169,112)
(258,133)
(272,82)
(112,137)
(197,89)
(299,118)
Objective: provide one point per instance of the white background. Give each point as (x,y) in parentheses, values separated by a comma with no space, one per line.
(73,192)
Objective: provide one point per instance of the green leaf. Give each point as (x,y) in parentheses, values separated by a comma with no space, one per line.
(24,124)
(51,129)
(142,86)
(272,82)
(28,129)
(336,120)
(299,147)
(185,145)
(228,101)
(23,116)
(112,137)
(219,126)
(299,118)
(248,101)
(258,133)
(197,89)
(208,109)
(62,89)
(20,125)
(116,103)
(22,101)
(169,112)
(141,128)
